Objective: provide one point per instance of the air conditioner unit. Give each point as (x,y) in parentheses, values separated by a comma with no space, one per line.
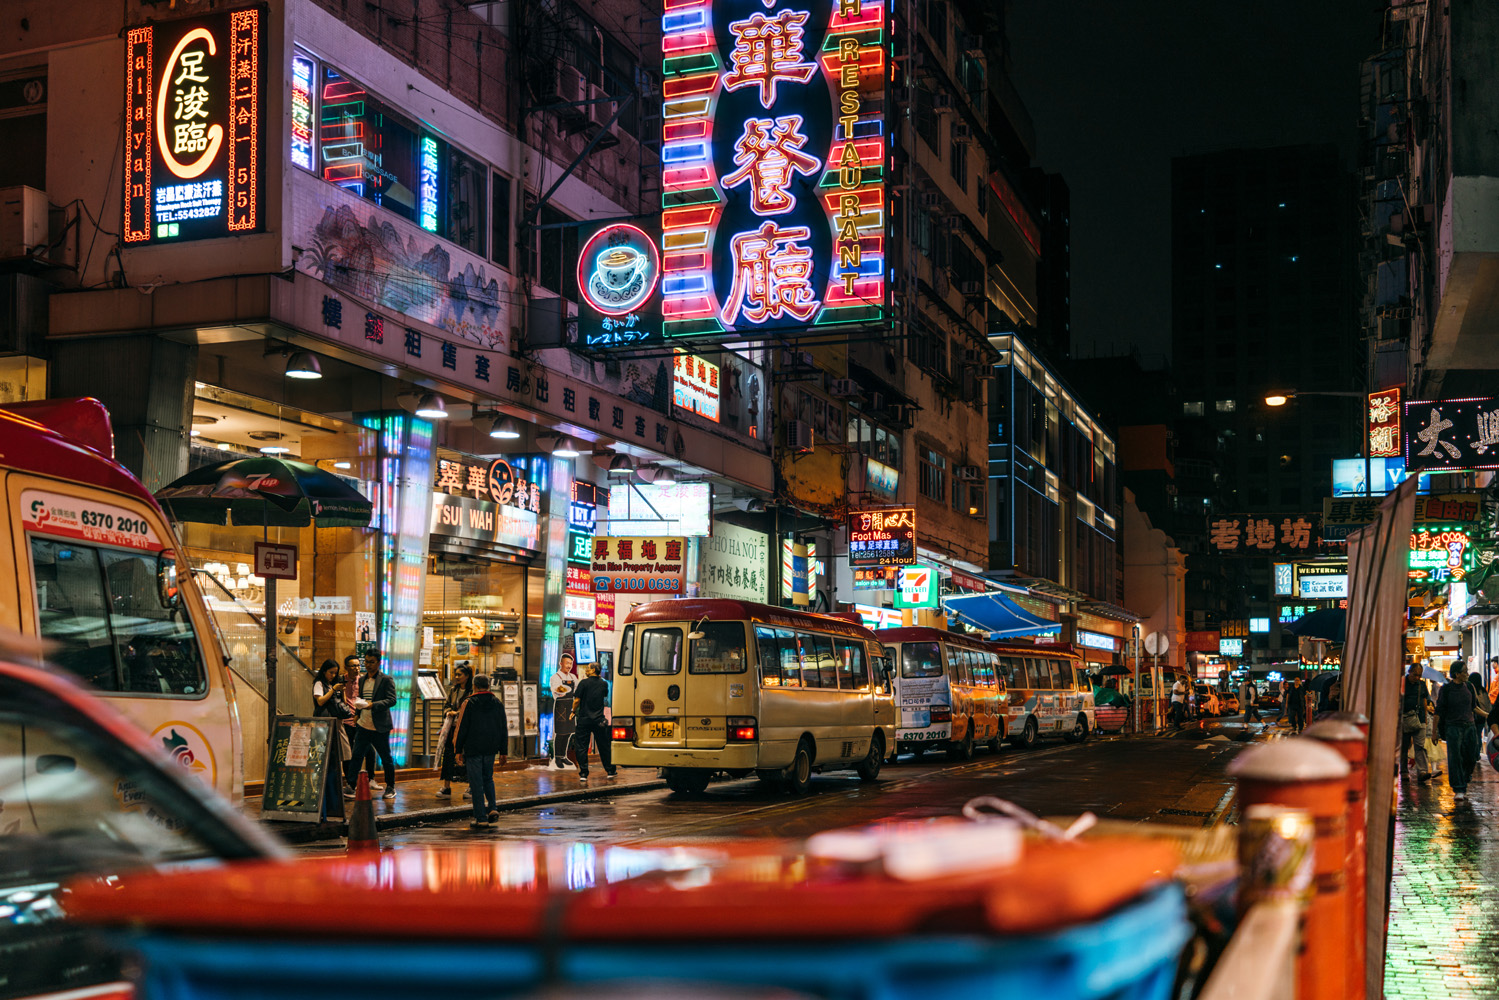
(798,436)
(844,388)
(971,287)
(941,102)
(600,108)
(968,473)
(23,220)
(572,87)
(961,132)
(796,359)
(929,199)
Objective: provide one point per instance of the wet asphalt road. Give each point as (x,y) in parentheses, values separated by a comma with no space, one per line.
(1180,780)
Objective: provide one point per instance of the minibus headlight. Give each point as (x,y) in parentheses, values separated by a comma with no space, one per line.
(622,729)
(742,729)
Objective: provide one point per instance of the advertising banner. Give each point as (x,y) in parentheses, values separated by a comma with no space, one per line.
(916,587)
(882,537)
(195,128)
(484,521)
(655,566)
(735,563)
(86,520)
(1280,535)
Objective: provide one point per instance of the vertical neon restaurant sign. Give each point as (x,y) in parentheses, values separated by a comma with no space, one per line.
(195,154)
(773,152)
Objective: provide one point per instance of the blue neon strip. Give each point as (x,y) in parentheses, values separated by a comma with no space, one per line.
(684,152)
(682,284)
(869,129)
(696,18)
(871,266)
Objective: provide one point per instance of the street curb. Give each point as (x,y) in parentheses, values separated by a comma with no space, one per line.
(299,834)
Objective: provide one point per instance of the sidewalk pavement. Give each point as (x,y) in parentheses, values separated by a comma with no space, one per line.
(1444,898)
(515,787)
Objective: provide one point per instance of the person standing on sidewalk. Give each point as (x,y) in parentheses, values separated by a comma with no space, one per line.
(353,667)
(564,679)
(1296,713)
(328,703)
(589,701)
(459,690)
(1455,719)
(1413,722)
(480,736)
(1246,700)
(1178,703)
(377,693)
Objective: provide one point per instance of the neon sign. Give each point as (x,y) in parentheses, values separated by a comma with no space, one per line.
(301,112)
(194,162)
(428,193)
(694,386)
(1440,554)
(882,537)
(773,151)
(1384,424)
(619,269)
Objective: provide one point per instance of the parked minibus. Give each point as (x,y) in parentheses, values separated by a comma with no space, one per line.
(1049,693)
(703,686)
(948,691)
(89,564)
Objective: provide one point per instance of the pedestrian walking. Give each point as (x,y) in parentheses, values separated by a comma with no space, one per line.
(1178,708)
(590,698)
(1246,700)
(1296,713)
(377,693)
(564,679)
(1413,722)
(1455,722)
(459,690)
(1482,714)
(1284,710)
(480,736)
(353,667)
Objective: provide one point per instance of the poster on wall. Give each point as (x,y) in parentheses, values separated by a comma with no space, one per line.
(195,128)
(772,167)
(647,567)
(735,564)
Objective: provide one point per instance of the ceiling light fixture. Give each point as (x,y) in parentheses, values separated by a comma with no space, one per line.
(431,407)
(274,449)
(343,465)
(566,447)
(506,429)
(303,365)
(664,477)
(622,463)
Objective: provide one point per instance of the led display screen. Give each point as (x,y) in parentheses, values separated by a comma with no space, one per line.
(195,129)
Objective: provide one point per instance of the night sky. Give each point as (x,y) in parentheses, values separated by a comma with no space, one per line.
(1116,89)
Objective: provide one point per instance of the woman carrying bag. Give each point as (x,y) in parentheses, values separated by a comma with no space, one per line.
(328,703)
(458,693)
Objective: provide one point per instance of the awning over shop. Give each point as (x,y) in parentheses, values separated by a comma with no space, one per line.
(997,614)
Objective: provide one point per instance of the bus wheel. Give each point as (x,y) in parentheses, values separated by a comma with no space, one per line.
(994,745)
(869,767)
(963,750)
(687,780)
(1028,735)
(1079,730)
(799,775)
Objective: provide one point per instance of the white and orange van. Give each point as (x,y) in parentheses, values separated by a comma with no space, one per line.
(89,563)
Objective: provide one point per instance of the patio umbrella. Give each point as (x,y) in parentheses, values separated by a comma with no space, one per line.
(1325,623)
(268,492)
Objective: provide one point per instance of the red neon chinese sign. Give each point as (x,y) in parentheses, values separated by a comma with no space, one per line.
(194,130)
(1384,424)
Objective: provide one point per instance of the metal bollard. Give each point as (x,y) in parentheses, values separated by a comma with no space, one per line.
(1306,774)
(1353,746)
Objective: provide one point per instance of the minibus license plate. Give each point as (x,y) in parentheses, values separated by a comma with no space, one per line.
(661,729)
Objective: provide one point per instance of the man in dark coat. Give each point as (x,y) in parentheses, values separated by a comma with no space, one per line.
(377,693)
(481,735)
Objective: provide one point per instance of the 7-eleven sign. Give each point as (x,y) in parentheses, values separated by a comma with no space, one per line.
(916,587)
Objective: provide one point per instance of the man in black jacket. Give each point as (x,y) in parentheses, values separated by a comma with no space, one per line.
(589,701)
(480,736)
(377,693)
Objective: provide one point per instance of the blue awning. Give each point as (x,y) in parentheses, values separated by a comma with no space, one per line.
(996,614)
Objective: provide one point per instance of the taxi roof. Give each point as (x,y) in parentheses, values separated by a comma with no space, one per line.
(692,609)
(27,445)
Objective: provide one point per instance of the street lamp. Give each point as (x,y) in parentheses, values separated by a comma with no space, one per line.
(1284,397)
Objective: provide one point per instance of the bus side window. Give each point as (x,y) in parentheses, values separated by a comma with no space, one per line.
(770,656)
(1064,674)
(626,665)
(957,666)
(818,649)
(987,659)
(854,672)
(1037,673)
(1012,670)
(791,658)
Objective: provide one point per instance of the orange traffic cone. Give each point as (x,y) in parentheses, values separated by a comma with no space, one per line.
(362,835)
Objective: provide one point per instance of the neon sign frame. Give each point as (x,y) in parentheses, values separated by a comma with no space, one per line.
(741,250)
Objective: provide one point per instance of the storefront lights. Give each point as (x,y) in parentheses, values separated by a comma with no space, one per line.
(566,447)
(303,365)
(506,429)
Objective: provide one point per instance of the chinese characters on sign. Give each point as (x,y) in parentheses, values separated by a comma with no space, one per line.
(1384,424)
(772,166)
(194,130)
(694,386)
(1342,516)
(882,537)
(642,566)
(1264,534)
(1440,555)
(1452,434)
(500,482)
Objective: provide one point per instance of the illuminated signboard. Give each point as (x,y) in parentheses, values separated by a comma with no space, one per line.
(619,268)
(694,386)
(1387,473)
(427,196)
(195,134)
(1285,580)
(1293,612)
(682,509)
(1324,586)
(1443,434)
(1384,424)
(882,537)
(1230,647)
(1440,554)
(875,578)
(1259,626)
(772,159)
(916,587)
(301,111)
(1097,640)
(579,548)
